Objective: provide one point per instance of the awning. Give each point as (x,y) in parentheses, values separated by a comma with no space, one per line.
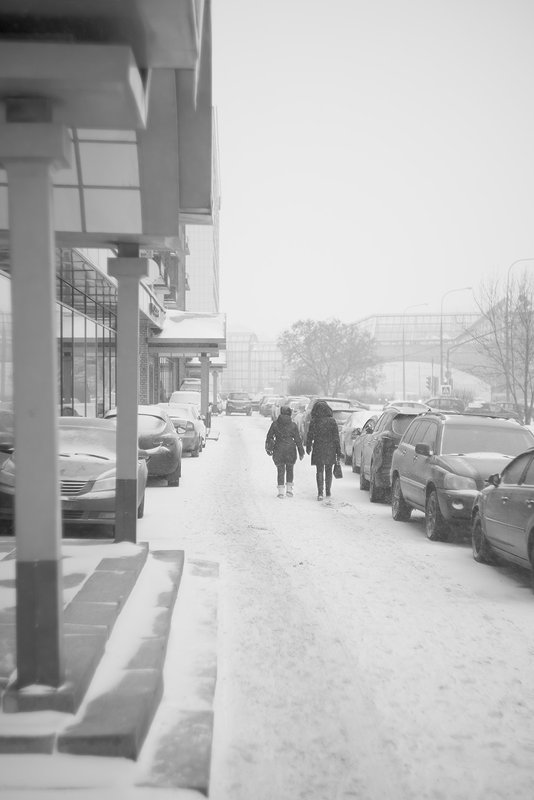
(190,333)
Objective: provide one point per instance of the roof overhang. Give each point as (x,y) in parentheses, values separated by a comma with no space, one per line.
(190,333)
(131,79)
(160,33)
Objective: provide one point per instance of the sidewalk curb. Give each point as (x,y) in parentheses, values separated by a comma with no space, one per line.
(178,752)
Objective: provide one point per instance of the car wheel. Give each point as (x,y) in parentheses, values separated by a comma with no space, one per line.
(400,510)
(196,452)
(481,549)
(228,413)
(348,459)
(141,508)
(364,483)
(376,495)
(174,478)
(436,528)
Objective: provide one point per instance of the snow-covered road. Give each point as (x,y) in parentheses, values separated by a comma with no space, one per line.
(356,658)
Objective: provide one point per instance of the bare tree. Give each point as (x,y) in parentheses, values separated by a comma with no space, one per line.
(330,354)
(505,339)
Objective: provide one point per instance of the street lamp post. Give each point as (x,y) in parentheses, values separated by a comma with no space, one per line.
(417,305)
(507,330)
(461,289)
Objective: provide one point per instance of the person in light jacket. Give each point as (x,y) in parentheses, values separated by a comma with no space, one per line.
(282,443)
(324,445)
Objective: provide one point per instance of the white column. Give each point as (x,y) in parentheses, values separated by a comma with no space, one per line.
(128,272)
(215,375)
(205,386)
(29,153)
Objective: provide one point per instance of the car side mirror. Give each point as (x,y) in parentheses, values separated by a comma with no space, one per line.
(494,480)
(423,449)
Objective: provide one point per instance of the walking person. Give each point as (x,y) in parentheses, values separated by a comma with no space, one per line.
(282,443)
(324,445)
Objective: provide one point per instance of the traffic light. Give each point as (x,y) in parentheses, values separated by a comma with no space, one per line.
(429,382)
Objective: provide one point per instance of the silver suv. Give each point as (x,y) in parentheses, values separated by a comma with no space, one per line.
(444,460)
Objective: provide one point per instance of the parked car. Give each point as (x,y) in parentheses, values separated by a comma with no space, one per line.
(276,405)
(189,425)
(492,410)
(186,396)
(255,400)
(446,403)
(357,442)
(341,415)
(407,405)
(266,404)
(351,430)
(444,460)
(333,402)
(158,436)
(191,385)
(503,515)
(378,447)
(238,403)
(518,411)
(87,472)
(292,400)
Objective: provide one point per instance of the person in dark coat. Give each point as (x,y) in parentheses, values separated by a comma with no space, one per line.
(324,445)
(282,442)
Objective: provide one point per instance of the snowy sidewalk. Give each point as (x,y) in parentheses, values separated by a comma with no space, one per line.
(160,648)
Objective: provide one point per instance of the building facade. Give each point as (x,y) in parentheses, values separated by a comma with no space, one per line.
(252,365)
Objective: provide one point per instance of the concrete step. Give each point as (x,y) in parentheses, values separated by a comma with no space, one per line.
(115,721)
(88,621)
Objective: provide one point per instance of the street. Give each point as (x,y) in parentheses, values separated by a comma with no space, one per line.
(356,658)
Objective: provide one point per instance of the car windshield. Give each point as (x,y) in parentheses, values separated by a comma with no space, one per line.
(149,424)
(338,405)
(91,441)
(183,412)
(238,396)
(341,415)
(185,397)
(485,439)
(400,423)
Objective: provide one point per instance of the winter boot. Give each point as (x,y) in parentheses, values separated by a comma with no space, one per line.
(320,486)
(328,484)
(281,491)
(289,489)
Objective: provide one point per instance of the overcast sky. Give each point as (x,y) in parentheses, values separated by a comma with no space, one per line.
(373,153)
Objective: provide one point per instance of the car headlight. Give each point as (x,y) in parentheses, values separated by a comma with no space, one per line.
(104,485)
(452,481)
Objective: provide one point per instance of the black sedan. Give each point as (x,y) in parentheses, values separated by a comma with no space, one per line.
(503,515)
(87,471)
(159,440)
